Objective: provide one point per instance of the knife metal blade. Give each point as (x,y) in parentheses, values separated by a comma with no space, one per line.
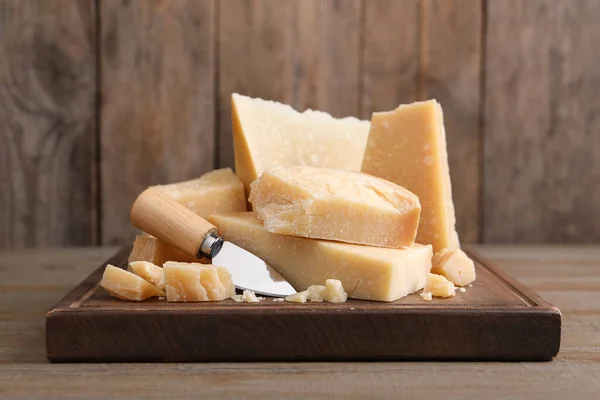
(251,273)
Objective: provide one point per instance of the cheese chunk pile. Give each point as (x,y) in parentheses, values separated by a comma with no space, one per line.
(197,282)
(268,134)
(216,191)
(127,286)
(336,205)
(407,146)
(247,296)
(366,272)
(332,292)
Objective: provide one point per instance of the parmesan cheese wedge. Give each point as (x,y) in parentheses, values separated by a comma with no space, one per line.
(268,134)
(127,286)
(218,191)
(197,282)
(407,146)
(336,205)
(370,273)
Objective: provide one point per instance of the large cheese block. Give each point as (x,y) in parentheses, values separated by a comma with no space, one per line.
(407,146)
(268,134)
(151,249)
(218,191)
(366,272)
(336,205)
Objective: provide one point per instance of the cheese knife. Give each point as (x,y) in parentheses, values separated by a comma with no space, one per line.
(159,215)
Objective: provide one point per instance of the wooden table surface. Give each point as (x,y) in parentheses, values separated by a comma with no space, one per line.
(32,281)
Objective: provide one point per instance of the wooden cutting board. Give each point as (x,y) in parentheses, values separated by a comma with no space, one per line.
(496,319)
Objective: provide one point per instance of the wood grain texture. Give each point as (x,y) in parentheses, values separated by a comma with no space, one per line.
(301,53)
(158,89)
(496,319)
(390,54)
(541,122)
(450,72)
(24,371)
(47,125)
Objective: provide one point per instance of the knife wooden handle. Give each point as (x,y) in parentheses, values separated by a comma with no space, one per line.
(159,215)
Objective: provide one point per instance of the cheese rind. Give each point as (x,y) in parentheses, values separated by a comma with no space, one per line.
(337,205)
(218,191)
(370,273)
(148,271)
(151,249)
(126,285)
(455,265)
(268,134)
(186,282)
(439,286)
(407,146)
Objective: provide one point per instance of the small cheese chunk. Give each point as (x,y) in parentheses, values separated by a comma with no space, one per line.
(299,297)
(439,286)
(247,296)
(250,297)
(337,205)
(455,265)
(148,271)
(366,272)
(334,291)
(268,134)
(316,293)
(218,191)
(127,286)
(407,146)
(151,249)
(426,296)
(197,282)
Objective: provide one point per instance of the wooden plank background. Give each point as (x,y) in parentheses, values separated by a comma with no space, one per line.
(99,99)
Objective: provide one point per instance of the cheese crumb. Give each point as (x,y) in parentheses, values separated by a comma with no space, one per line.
(462,290)
(247,296)
(316,293)
(439,286)
(470,285)
(278,299)
(426,296)
(299,297)
(334,291)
